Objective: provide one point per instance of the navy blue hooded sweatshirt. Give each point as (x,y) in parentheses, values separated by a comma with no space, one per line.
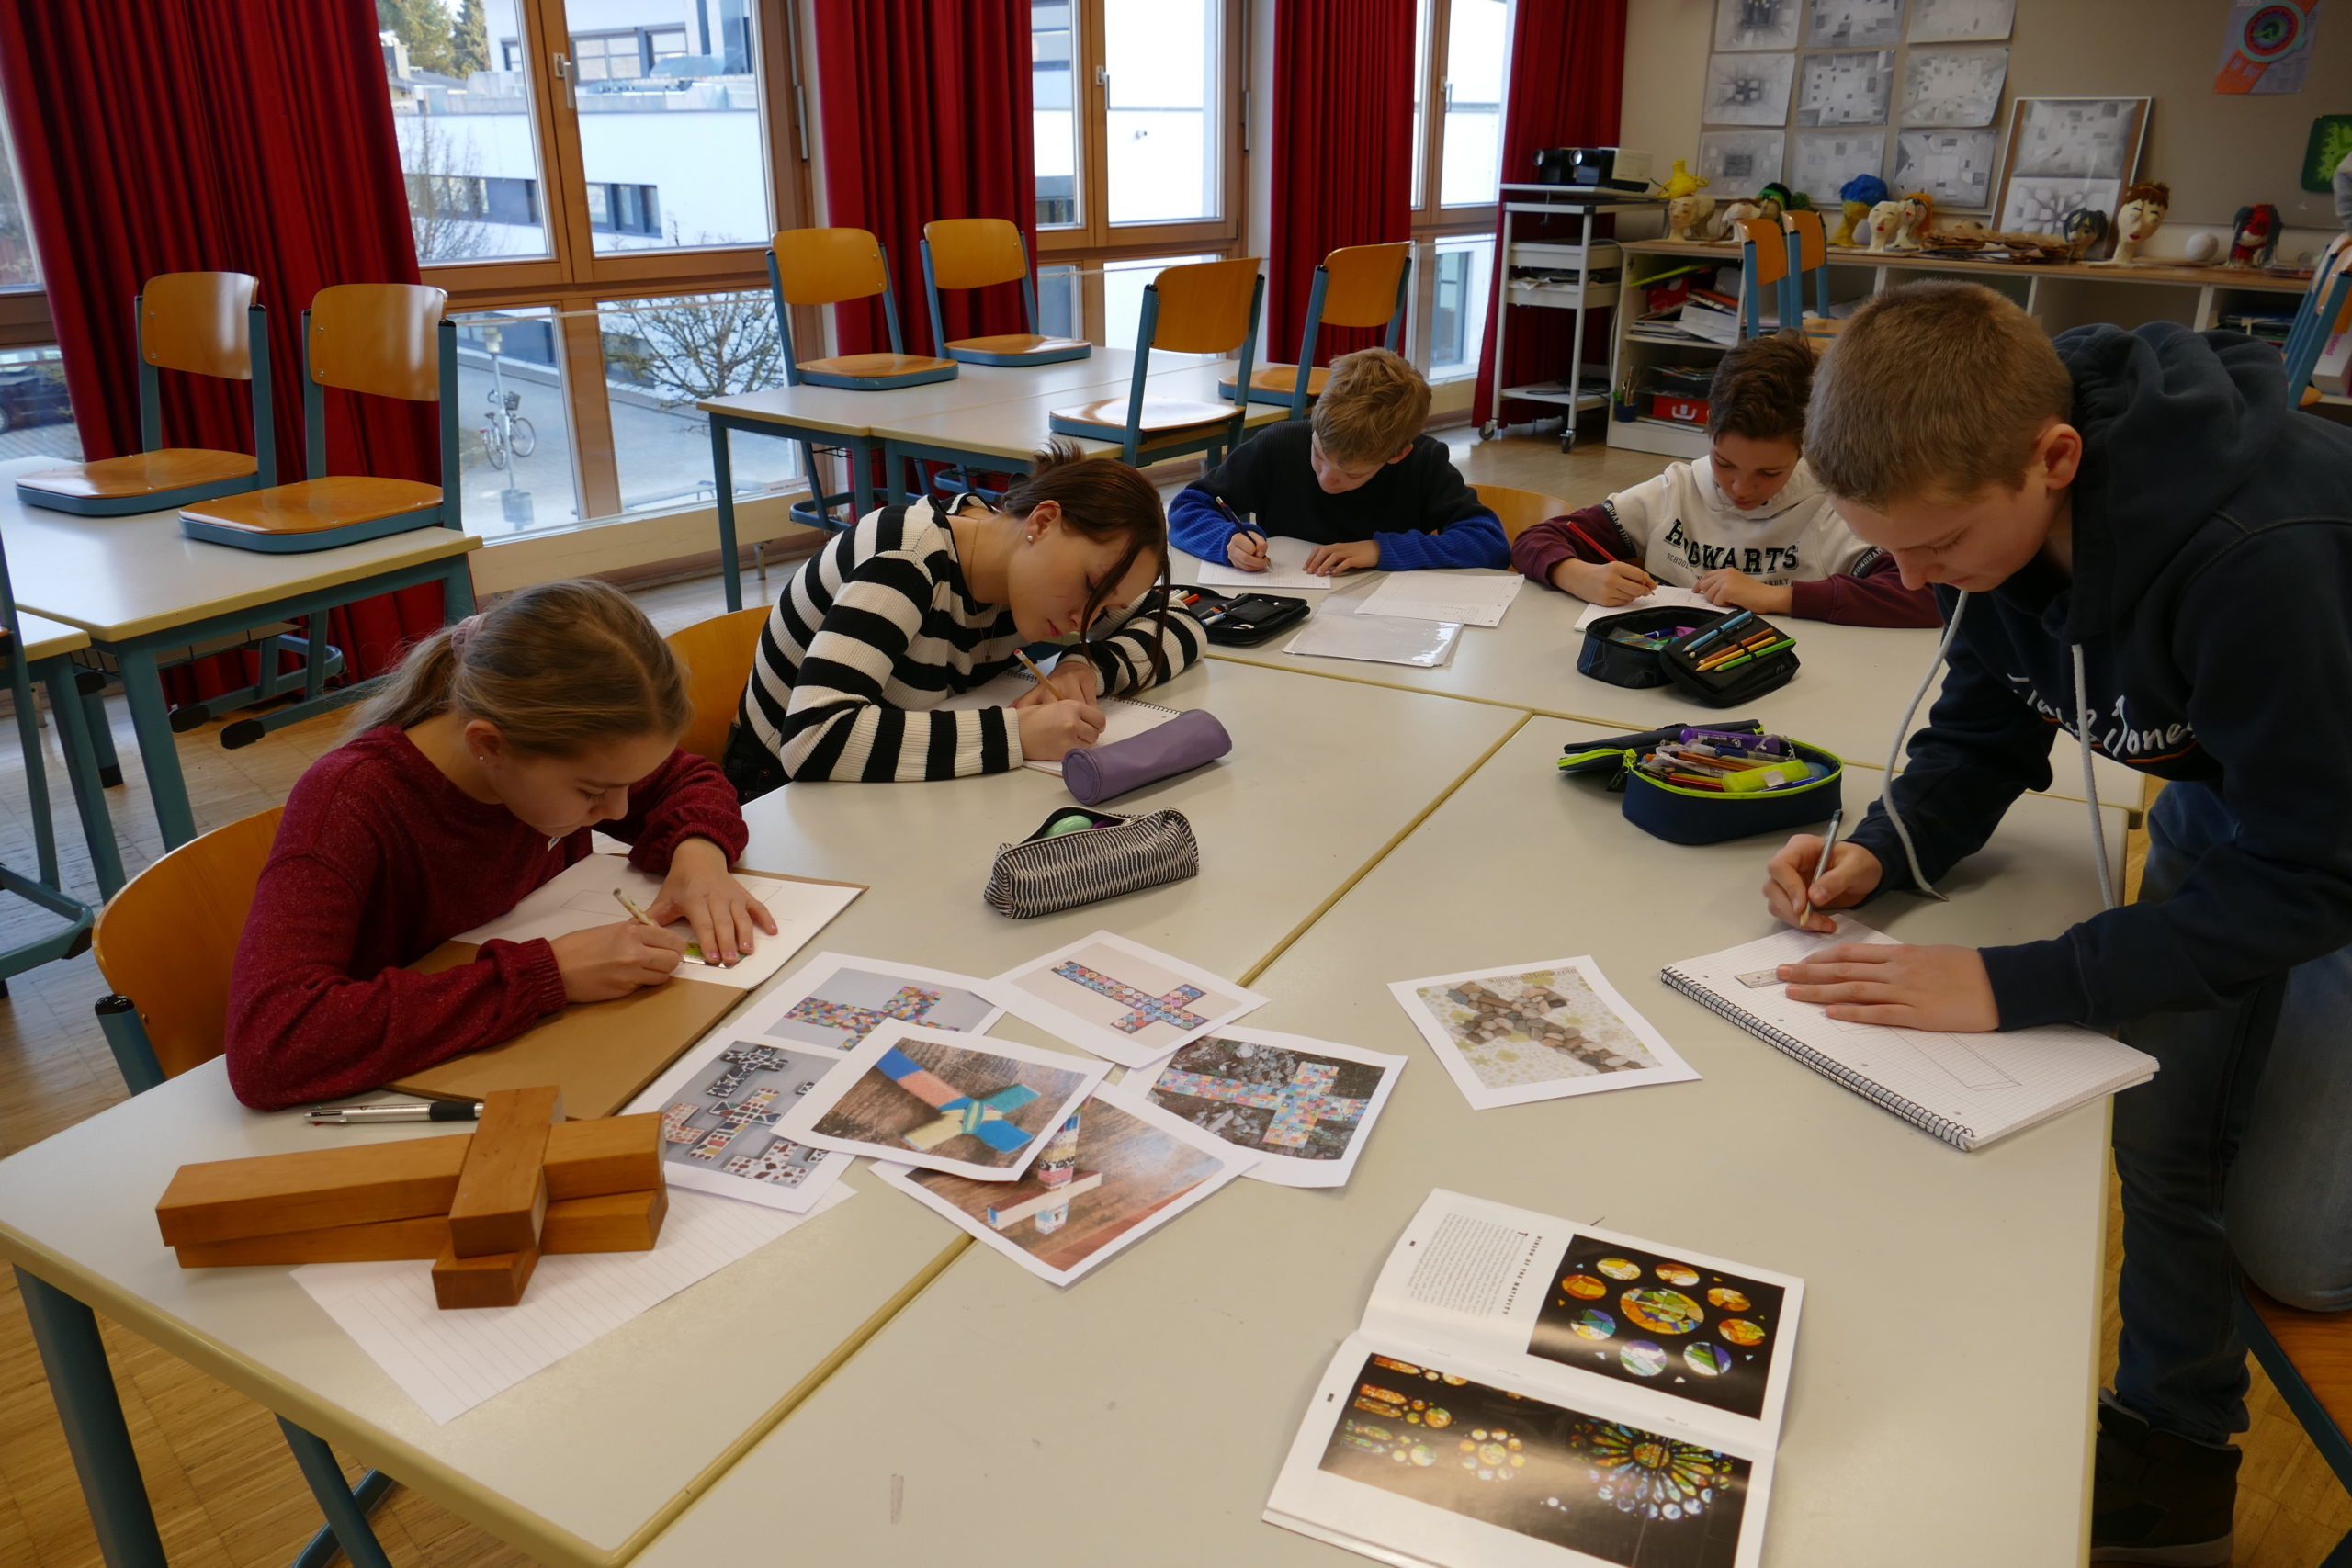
(2212,596)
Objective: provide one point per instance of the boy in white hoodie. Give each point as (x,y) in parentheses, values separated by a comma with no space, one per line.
(1748,526)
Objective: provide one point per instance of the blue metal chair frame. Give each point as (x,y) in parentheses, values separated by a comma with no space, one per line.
(2309,333)
(2317,1424)
(1216,438)
(1298,397)
(1751,323)
(151,433)
(1793,286)
(48,890)
(1029,313)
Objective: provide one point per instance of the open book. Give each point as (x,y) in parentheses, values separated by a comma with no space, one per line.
(1968,1089)
(1123,718)
(1525,1390)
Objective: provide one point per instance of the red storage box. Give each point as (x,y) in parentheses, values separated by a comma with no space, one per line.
(1677,408)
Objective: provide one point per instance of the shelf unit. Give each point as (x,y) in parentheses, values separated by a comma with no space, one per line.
(1585,254)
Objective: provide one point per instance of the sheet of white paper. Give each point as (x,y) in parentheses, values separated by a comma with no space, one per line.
(580,898)
(1134,1170)
(1378,639)
(1286,569)
(1303,1107)
(1121,999)
(1123,718)
(450,1361)
(1663,597)
(1473,598)
(1540,1031)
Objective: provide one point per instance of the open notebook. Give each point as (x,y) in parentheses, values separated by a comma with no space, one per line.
(1123,718)
(1968,1089)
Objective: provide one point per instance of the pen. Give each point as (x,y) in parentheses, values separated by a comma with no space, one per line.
(418,1110)
(1716,630)
(694,949)
(1804,910)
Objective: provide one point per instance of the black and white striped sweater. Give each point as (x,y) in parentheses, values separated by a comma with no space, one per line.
(877,629)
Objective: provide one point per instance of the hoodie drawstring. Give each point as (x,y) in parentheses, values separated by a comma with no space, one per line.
(2090,782)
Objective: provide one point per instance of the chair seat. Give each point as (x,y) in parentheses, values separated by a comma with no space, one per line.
(141,473)
(2319,1344)
(1284,378)
(875,372)
(1161,415)
(1025,345)
(314,505)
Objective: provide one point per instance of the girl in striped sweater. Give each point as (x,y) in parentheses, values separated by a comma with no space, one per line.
(919,602)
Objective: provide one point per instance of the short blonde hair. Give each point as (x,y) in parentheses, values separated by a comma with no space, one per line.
(1934,387)
(1372,407)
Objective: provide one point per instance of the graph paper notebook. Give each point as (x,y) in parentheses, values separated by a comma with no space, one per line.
(1968,1089)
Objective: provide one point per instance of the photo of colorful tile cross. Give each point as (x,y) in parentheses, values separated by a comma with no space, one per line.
(912,1005)
(1168,1010)
(1298,1105)
(983,1118)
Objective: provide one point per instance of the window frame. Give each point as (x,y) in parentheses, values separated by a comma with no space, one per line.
(1432,220)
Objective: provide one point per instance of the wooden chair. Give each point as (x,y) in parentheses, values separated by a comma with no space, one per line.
(1207,308)
(2309,1357)
(1763,264)
(166,945)
(201,323)
(2324,311)
(980,253)
(718,654)
(1520,510)
(829,267)
(1808,247)
(1357,285)
(385,340)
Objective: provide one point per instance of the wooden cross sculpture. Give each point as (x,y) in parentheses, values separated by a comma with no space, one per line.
(983,1118)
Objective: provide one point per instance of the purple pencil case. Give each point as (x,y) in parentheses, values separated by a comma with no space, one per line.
(1097,774)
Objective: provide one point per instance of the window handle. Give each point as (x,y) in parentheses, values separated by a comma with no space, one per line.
(564,74)
(1101,75)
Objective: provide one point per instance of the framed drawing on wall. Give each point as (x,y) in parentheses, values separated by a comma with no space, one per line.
(2064,154)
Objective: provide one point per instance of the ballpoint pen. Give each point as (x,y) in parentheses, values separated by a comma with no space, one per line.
(404,1110)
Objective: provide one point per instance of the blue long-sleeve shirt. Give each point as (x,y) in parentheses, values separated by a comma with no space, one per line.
(1419,510)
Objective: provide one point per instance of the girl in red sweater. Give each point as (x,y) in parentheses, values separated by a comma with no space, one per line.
(473,778)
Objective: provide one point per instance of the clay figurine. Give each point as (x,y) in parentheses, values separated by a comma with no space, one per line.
(1855,197)
(1917,213)
(1732,214)
(1686,217)
(2082,230)
(1963,231)
(2254,237)
(1778,199)
(1885,219)
(1681,183)
(2141,214)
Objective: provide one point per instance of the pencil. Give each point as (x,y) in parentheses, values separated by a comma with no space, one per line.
(1804,910)
(694,949)
(1030,665)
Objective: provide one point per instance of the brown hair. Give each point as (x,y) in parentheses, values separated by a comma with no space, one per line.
(1760,387)
(1934,386)
(558,667)
(1372,407)
(1103,498)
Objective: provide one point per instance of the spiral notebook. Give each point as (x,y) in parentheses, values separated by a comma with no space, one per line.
(1123,718)
(1968,1089)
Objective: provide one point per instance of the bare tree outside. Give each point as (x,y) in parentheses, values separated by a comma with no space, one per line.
(443,193)
(707,346)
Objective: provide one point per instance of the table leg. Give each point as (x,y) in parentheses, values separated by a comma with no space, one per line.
(151,720)
(92,685)
(91,1412)
(861,477)
(82,773)
(347,1515)
(457,589)
(722,473)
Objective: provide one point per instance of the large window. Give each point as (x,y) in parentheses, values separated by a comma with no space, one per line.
(1139,162)
(596,182)
(36,421)
(1463,53)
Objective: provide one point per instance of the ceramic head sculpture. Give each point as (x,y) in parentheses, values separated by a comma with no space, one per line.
(1918,212)
(1733,213)
(2141,214)
(2082,230)
(1885,220)
(2254,236)
(1686,217)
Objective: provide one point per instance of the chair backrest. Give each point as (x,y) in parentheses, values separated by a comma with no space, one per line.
(1763,263)
(1205,307)
(1360,283)
(1520,510)
(973,253)
(1809,242)
(168,940)
(718,654)
(196,321)
(825,266)
(377,338)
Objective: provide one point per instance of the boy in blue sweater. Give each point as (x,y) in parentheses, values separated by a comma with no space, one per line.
(2138,539)
(1356,478)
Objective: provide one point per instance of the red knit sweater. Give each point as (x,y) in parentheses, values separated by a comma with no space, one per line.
(379,860)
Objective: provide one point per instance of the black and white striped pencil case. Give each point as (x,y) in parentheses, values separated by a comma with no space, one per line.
(1078,856)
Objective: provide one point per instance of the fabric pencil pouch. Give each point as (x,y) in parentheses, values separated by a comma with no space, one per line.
(1242,620)
(1078,856)
(1681,816)
(1628,650)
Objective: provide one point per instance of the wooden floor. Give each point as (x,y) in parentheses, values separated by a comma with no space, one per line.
(226,1491)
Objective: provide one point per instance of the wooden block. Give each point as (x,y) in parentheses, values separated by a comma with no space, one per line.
(495,1279)
(1053,1197)
(611,1153)
(502,1191)
(355,1184)
(621,1222)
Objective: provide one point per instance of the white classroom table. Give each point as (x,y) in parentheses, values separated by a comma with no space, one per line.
(1847,696)
(1940,1411)
(580,1464)
(140,588)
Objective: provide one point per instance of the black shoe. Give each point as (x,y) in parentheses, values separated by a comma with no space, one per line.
(2158,1498)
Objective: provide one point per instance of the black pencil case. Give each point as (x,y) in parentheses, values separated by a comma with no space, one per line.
(1676,664)
(1682,816)
(1242,620)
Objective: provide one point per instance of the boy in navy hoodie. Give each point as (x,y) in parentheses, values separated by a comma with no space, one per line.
(2135,529)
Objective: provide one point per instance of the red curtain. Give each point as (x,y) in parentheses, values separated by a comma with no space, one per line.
(1344,152)
(925,107)
(1567,75)
(218,135)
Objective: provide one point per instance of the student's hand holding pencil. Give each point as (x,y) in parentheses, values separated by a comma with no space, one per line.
(1609,583)
(606,963)
(1247,550)
(1799,890)
(1074,679)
